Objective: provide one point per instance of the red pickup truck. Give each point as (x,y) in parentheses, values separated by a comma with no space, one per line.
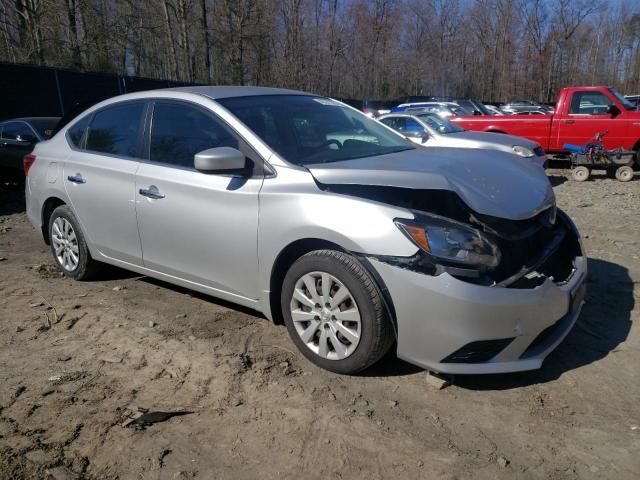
(580,113)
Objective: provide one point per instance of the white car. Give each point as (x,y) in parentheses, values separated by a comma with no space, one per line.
(442,109)
(430,130)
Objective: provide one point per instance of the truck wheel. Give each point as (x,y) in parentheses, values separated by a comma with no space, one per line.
(335,313)
(624,173)
(580,174)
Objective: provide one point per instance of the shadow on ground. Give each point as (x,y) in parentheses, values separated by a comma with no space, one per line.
(604,323)
(557,180)
(11,199)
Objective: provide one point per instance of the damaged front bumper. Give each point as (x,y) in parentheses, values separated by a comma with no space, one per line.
(450,325)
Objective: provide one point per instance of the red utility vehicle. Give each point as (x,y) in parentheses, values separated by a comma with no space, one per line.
(580,113)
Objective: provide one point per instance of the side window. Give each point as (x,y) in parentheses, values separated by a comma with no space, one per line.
(390,122)
(76,132)
(179,131)
(115,129)
(411,125)
(590,103)
(18,131)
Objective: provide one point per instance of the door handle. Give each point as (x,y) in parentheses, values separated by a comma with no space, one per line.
(77,178)
(151,192)
(570,121)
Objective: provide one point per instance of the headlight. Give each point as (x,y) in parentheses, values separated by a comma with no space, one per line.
(450,241)
(522,151)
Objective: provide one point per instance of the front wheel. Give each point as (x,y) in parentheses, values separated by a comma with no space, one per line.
(68,245)
(334,312)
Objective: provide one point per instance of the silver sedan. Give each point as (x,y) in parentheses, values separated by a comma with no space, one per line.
(304,209)
(429,130)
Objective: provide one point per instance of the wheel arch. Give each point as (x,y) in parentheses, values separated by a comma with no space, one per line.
(296,249)
(48,207)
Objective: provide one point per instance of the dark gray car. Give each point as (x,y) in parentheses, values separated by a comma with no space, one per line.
(17,138)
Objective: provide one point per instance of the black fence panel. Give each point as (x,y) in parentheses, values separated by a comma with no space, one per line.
(135,84)
(28,91)
(31,91)
(81,88)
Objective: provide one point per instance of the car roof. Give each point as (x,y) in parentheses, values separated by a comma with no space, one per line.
(29,119)
(217,92)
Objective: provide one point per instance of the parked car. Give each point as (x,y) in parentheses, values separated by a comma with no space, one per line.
(580,113)
(430,130)
(530,112)
(442,109)
(494,110)
(472,106)
(633,100)
(519,106)
(457,257)
(17,138)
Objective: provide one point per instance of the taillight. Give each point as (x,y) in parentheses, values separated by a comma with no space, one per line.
(28,162)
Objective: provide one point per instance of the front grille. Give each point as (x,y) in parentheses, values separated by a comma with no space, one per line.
(518,254)
(478,352)
(515,229)
(556,246)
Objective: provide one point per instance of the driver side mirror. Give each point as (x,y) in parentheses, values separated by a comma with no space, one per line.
(614,111)
(220,160)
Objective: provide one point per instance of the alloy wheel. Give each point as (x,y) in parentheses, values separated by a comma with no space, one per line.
(325,315)
(65,244)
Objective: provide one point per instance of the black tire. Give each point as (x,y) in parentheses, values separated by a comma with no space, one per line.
(87,267)
(376,329)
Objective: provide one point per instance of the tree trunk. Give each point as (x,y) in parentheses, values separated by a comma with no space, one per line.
(172,47)
(207,41)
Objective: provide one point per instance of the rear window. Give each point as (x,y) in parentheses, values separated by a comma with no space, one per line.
(115,129)
(76,132)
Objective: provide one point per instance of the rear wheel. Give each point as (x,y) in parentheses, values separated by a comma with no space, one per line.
(624,173)
(334,312)
(68,245)
(580,174)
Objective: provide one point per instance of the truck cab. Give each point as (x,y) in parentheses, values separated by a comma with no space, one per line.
(580,113)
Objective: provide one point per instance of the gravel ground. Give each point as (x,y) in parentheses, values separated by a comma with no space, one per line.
(81,363)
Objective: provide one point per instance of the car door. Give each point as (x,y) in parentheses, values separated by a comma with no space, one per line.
(588,114)
(99,176)
(17,140)
(199,227)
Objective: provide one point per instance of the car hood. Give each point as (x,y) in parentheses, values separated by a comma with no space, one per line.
(490,182)
(489,139)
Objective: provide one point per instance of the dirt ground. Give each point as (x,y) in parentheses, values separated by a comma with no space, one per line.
(78,361)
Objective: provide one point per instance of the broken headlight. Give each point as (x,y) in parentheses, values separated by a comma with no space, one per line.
(450,241)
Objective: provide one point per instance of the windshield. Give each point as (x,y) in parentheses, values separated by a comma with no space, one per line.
(304,129)
(439,124)
(457,110)
(625,103)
